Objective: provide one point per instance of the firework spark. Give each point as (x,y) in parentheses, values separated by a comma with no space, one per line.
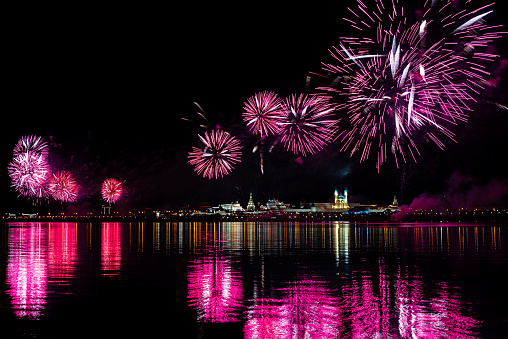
(111,190)
(31,143)
(262,113)
(308,123)
(398,86)
(219,156)
(29,168)
(62,186)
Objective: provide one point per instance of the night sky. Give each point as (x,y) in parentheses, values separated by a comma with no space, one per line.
(107,87)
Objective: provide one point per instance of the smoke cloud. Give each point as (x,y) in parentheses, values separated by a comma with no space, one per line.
(462,191)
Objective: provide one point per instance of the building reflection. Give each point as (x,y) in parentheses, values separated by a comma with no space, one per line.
(111,248)
(340,238)
(27,270)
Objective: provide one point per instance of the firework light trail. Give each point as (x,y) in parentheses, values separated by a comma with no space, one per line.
(111,190)
(262,113)
(401,81)
(308,123)
(29,168)
(219,156)
(62,186)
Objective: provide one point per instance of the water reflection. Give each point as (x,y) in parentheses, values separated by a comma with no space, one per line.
(273,280)
(214,283)
(62,252)
(215,290)
(307,309)
(394,309)
(357,299)
(341,238)
(111,248)
(42,260)
(27,271)
(397,306)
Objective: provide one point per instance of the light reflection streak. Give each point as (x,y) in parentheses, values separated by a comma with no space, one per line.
(215,290)
(341,237)
(62,252)
(27,272)
(365,307)
(111,248)
(384,299)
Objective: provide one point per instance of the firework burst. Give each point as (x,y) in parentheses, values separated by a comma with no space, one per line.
(396,86)
(308,123)
(32,144)
(221,153)
(62,186)
(262,113)
(29,168)
(111,190)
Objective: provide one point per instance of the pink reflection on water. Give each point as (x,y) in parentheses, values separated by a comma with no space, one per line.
(437,317)
(267,319)
(307,310)
(27,271)
(111,248)
(215,290)
(312,310)
(62,252)
(366,306)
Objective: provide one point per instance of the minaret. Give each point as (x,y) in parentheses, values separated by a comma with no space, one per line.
(336,194)
(395,202)
(345,197)
(250,204)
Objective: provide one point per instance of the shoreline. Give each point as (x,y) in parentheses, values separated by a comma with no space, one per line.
(250,218)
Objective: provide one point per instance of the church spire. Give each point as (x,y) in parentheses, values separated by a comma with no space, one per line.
(250,204)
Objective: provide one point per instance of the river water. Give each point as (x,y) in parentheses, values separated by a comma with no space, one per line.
(254,280)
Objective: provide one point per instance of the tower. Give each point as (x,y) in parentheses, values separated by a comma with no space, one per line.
(340,200)
(250,204)
(395,202)
(104,208)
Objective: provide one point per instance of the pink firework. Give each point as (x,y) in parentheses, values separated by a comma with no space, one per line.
(405,78)
(31,143)
(29,168)
(221,153)
(111,190)
(308,124)
(262,113)
(62,186)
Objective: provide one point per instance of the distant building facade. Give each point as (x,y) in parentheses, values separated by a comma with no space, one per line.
(236,207)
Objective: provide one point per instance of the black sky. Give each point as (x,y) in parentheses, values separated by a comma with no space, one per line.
(107,86)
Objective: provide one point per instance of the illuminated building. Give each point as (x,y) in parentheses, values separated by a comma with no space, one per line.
(275,204)
(250,204)
(341,200)
(395,204)
(236,207)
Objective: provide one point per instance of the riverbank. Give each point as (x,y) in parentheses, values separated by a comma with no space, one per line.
(479,216)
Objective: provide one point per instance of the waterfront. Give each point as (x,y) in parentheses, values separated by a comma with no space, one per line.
(255,280)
